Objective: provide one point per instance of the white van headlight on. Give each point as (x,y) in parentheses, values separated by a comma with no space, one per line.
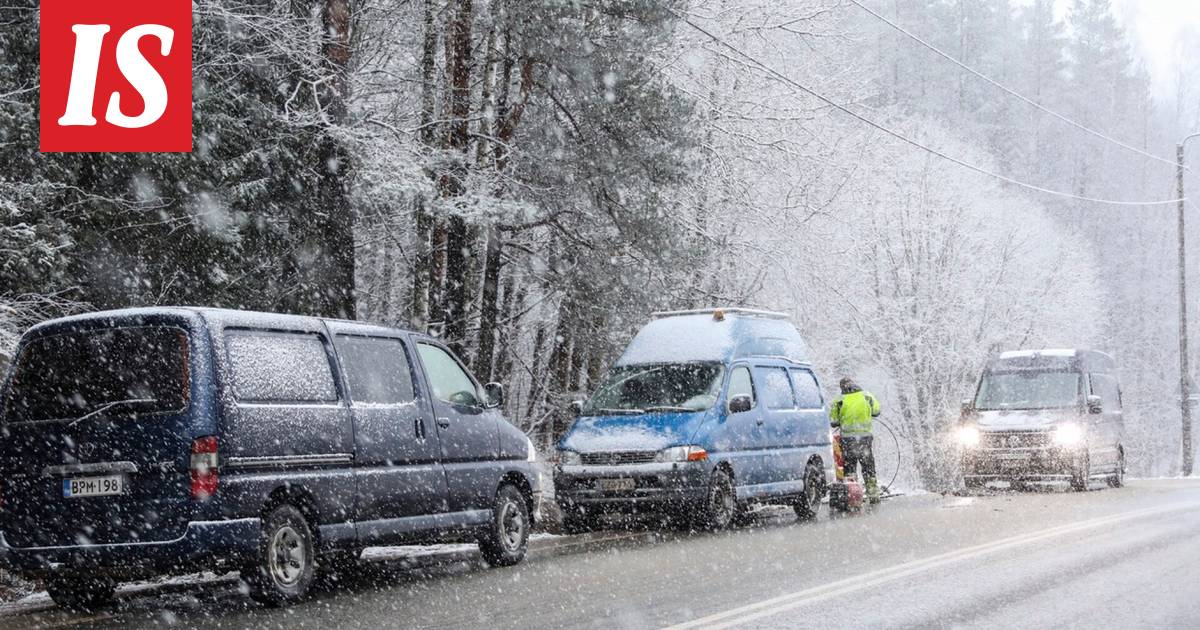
(1068,434)
(690,453)
(569,458)
(967,436)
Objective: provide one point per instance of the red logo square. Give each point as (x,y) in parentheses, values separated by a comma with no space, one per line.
(116,76)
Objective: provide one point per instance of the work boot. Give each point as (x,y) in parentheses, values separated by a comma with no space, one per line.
(873,491)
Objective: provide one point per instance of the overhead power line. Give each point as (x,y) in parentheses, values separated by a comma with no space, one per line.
(901,137)
(1007,89)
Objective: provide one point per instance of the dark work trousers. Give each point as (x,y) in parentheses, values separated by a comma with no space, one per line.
(856,451)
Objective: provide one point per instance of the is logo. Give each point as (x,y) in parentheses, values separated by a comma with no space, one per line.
(116,76)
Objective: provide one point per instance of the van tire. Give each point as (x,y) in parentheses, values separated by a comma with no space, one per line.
(1117,479)
(285,567)
(81,594)
(1080,475)
(809,502)
(507,537)
(720,506)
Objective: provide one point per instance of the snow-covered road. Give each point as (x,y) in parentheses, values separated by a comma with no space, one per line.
(1103,559)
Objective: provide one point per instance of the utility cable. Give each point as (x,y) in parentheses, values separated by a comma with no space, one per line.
(1008,90)
(901,137)
(895,441)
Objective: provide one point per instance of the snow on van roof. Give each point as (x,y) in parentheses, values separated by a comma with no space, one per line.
(749,312)
(703,336)
(1046,352)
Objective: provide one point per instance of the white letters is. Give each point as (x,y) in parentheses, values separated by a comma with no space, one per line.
(89,40)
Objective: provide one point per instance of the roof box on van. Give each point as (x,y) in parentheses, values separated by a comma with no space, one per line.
(715,335)
(1052,359)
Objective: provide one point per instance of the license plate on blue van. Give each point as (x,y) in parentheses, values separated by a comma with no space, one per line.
(108,485)
(617,485)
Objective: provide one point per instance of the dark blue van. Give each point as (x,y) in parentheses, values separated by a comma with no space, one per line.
(705,413)
(150,441)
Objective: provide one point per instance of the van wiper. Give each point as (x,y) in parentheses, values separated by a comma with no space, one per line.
(109,405)
(620,412)
(668,408)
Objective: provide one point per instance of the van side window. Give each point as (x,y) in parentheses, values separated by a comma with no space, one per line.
(808,394)
(450,383)
(776,388)
(280,367)
(1105,386)
(377,369)
(740,384)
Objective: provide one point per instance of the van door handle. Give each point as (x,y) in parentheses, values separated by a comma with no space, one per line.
(419,428)
(759,422)
(444,423)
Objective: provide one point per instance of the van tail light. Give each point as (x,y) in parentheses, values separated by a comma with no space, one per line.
(204,468)
(697,454)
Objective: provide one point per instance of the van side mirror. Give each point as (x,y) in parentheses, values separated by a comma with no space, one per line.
(740,403)
(1095,404)
(967,405)
(494,392)
(576,408)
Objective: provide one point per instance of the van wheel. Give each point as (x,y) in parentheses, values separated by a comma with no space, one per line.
(81,594)
(507,537)
(1080,475)
(809,503)
(1117,479)
(721,506)
(285,566)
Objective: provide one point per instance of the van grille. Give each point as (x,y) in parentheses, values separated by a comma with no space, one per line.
(617,458)
(1016,439)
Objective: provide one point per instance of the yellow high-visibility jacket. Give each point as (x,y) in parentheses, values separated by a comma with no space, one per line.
(854,412)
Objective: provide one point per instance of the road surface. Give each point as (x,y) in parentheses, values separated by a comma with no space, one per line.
(1107,558)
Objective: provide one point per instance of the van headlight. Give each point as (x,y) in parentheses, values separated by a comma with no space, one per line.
(569,458)
(690,453)
(967,436)
(1068,434)
(530,450)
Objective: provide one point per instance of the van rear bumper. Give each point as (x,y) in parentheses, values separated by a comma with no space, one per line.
(205,544)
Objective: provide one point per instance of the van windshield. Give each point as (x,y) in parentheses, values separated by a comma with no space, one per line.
(657,387)
(1028,390)
(68,376)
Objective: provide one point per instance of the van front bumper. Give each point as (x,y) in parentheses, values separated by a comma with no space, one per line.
(1021,464)
(204,545)
(628,489)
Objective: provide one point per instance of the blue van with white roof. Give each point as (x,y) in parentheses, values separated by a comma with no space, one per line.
(174,440)
(705,413)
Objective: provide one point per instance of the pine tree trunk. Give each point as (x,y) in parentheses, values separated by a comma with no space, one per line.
(337,297)
(488,309)
(458,241)
(422,272)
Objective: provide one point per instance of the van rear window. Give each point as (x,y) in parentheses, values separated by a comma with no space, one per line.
(136,369)
(280,367)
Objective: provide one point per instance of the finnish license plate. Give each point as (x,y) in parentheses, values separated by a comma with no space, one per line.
(617,485)
(1012,457)
(108,485)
